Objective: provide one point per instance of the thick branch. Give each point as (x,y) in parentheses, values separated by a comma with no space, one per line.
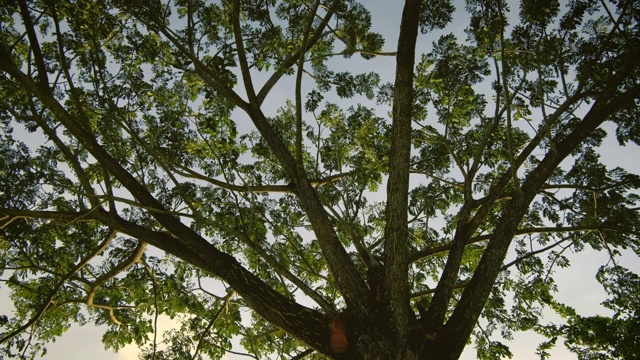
(463,319)
(435,315)
(307,324)
(348,280)
(242,55)
(395,231)
(35,45)
(467,225)
(302,322)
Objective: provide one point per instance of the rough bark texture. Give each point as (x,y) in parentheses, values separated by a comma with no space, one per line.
(395,234)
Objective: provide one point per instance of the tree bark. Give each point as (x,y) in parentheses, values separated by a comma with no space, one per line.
(468,310)
(308,325)
(396,282)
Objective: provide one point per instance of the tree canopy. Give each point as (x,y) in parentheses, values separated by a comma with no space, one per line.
(148,168)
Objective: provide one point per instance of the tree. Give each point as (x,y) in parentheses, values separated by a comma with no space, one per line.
(166,171)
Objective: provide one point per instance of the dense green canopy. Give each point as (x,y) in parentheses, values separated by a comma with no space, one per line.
(147,169)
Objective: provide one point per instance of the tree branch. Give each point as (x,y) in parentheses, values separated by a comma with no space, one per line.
(396,274)
(496,191)
(298,90)
(291,60)
(242,55)
(305,323)
(420,255)
(463,319)
(36,317)
(132,259)
(348,279)
(33,41)
(204,71)
(215,318)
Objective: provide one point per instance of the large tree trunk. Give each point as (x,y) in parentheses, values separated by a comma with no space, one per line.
(370,341)
(396,306)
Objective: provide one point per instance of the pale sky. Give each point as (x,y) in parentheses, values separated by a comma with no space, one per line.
(577,284)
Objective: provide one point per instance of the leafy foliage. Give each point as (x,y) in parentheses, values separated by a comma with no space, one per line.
(147,170)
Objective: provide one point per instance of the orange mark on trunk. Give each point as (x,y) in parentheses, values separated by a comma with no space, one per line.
(338,338)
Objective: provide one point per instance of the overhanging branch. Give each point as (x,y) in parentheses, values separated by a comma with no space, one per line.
(475,294)
(305,323)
